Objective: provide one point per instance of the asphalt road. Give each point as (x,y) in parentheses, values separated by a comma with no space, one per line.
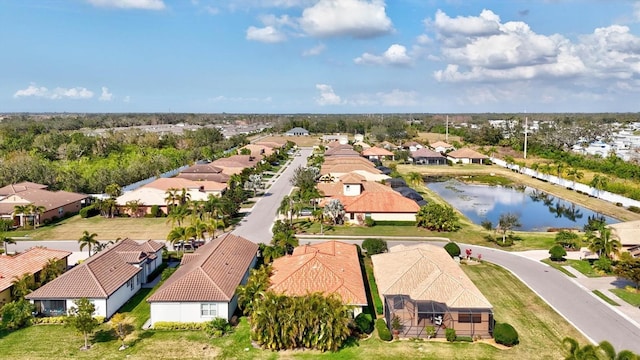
(256,225)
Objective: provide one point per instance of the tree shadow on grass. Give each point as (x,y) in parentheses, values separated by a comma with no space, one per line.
(104,335)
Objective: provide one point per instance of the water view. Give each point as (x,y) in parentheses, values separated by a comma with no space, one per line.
(538,211)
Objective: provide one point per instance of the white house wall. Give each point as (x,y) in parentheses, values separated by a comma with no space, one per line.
(184,312)
(393,216)
(100,305)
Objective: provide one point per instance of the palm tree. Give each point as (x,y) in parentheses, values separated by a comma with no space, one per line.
(415,178)
(21,211)
(599,183)
(198,229)
(559,167)
(574,174)
(184,197)
(22,286)
(51,270)
(177,215)
(603,242)
(37,211)
(178,234)
(286,207)
(5,242)
(88,240)
(134,207)
(171,198)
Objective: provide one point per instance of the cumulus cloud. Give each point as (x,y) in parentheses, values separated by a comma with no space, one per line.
(354,18)
(483,48)
(327,96)
(395,55)
(58,93)
(267,34)
(130,4)
(314,51)
(106,95)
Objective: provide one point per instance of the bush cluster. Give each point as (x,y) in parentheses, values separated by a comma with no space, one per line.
(557,253)
(450,334)
(364,322)
(505,334)
(383,330)
(453,249)
(374,246)
(50,320)
(174,325)
(89,211)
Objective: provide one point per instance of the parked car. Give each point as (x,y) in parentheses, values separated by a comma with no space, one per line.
(306,212)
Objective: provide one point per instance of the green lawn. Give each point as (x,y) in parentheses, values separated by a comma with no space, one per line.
(540,328)
(582,266)
(632,298)
(604,297)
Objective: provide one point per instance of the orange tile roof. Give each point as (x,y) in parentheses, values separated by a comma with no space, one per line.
(100,275)
(466,153)
(202,169)
(440,144)
(16,188)
(28,262)
(352,178)
(378,202)
(183,183)
(376,151)
(339,152)
(331,267)
(347,168)
(216,177)
(426,153)
(212,273)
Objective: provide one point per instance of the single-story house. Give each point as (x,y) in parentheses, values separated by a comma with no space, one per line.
(341,138)
(204,172)
(341,152)
(412,146)
(204,286)
(441,146)
(155,193)
(108,279)
(389,146)
(30,261)
(466,156)
(56,203)
(364,199)
(424,286)
(256,150)
(377,153)
(297,131)
(236,163)
(627,233)
(363,145)
(426,156)
(330,267)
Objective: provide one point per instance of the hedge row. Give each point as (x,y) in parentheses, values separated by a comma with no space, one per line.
(383,330)
(174,325)
(60,319)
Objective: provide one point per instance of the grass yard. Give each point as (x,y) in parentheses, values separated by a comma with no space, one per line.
(582,266)
(604,297)
(632,297)
(107,229)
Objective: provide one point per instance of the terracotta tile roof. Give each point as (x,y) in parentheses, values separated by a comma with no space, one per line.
(39,197)
(182,183)
(274,144)
(235,163)
(257,149)
(330,161)
(100,275)
(411,143)
(337,152)
(440,144)
(16,188)
(202,169)
(212,273)
(426,153)
(217,177)
(332,144)
(330,189)
(376,151)
(347,168)
(378,202)
(426,272)
(352,178)
(466,153)
(30,261)
(329,267)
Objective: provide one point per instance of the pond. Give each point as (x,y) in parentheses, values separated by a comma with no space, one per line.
(537,210)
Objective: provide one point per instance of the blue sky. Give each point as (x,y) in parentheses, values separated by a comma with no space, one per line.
(319,56)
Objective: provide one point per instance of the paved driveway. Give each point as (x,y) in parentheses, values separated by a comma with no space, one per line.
(256,225)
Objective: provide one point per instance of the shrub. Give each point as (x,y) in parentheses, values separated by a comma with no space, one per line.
(157,271)
(487,225)
(383,330)
(374,246)
(505,334)
(174,325)
(16,314)
(369,222)
(50,320)
(89,211)
(430,330)
(557,253)
(450,334)
(634,209)
(603,264)
(453,249)
(568,239)
(364,322)
(155,211)
(217,327)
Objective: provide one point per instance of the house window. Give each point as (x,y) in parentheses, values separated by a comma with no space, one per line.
(209,309)
(130,283)
(470,318)
(60,211)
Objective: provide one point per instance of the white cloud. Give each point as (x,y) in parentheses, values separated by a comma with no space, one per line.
(314,51)
(484,49)
(327,96)
(130,4)
(395,55)
(267,34)
(126,99)
(354,18)
(55,94)
(106,95)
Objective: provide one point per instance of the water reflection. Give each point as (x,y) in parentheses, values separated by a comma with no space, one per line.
(537,210)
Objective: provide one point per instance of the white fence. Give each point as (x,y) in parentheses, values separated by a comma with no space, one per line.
(569,184)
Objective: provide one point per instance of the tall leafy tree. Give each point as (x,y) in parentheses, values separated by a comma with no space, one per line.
(414,178)
(437,217)
(334,210)
(16,314)
(506,223)
(88,240)
(81,318)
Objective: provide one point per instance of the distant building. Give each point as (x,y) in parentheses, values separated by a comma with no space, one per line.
(297,131)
